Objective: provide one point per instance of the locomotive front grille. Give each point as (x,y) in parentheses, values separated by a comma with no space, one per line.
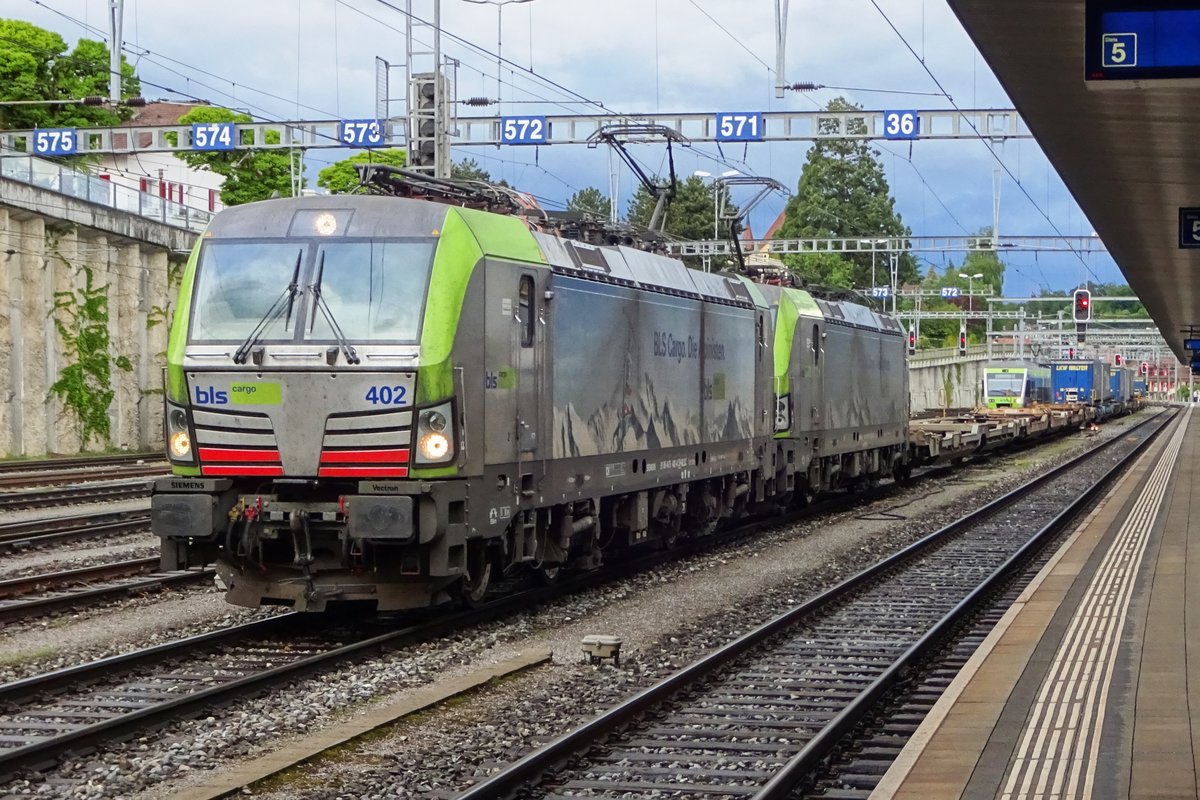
(238,443)
(366,445)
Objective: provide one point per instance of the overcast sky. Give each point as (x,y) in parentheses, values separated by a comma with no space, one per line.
(315,59)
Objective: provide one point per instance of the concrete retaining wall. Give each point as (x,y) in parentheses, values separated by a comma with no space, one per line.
(46,239)
(946,385)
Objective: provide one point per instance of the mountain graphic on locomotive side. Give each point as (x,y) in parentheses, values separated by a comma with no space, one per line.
(393,400)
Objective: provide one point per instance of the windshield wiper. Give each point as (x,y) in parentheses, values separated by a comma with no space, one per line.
(319,303)
(284,302)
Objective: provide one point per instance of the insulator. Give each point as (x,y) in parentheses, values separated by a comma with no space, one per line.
(805,87)
(478,102)
(93,100)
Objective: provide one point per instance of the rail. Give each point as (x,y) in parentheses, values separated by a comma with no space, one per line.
(796,681)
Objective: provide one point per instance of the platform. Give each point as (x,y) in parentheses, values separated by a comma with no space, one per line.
(1089,687)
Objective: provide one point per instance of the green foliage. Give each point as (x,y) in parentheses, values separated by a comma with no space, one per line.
(1128,309)
(1121,308)
(944,332)
(161,315)
(689,215)
(843,192)
(85,384)
(342,177)
(469,170)
(35,65)
(250,175)
(590,200)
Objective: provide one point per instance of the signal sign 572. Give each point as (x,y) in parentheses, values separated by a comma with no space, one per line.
(524,130)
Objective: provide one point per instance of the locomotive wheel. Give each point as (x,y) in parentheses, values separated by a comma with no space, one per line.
(668,533)
(548,574)
(474,586)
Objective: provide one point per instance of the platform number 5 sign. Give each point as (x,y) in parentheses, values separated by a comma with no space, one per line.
(1189,228)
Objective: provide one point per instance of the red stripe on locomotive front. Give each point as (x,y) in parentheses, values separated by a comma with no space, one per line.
(239,469)
(364,456)
(362,472)
(238,456)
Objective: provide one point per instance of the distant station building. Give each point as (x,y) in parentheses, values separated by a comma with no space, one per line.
(160,176)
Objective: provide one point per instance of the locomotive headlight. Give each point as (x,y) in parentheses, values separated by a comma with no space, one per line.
(325,224)
(181,446)
(179,436)
(435,435)
(434,446)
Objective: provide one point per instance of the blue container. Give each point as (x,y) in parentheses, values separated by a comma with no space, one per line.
(1121,384)
(1079,381)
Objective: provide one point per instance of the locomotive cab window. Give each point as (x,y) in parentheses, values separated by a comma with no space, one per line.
(525,310)
(374,290)
(816,344)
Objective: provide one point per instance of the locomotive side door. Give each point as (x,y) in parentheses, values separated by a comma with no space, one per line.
(512,371)
(528,344)
(812,370)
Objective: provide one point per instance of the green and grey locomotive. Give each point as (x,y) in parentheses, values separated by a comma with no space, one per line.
(395,400)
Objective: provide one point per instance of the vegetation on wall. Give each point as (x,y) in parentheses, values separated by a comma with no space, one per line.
(84,385)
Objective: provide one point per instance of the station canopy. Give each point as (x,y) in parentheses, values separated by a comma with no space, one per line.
(1115,105)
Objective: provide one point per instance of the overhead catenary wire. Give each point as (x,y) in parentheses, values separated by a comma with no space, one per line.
(928,186)
(263,116)
(984,140)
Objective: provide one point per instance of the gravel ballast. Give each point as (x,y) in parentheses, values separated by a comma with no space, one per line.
(666,617)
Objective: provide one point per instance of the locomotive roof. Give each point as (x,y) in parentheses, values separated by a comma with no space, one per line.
(628,266)
(358,215)
(846,313)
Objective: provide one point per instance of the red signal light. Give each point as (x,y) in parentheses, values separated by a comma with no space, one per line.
(1083,305)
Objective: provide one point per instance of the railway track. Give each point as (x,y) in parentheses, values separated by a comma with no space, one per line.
(74,709)
(81,462)
(756,717)
(41,594)
(41,532)
(80,476)
(85,493)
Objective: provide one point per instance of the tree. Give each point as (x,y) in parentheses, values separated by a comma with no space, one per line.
(981,262)
(843,192)
(342,177)
(1118,308)
(688,216)
(590,200)
(35,65)
(469,170)
(250,175)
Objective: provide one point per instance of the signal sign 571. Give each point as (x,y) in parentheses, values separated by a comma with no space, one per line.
(740,126)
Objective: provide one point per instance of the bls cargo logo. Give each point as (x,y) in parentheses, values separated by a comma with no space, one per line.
(211,396)
(240,394)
